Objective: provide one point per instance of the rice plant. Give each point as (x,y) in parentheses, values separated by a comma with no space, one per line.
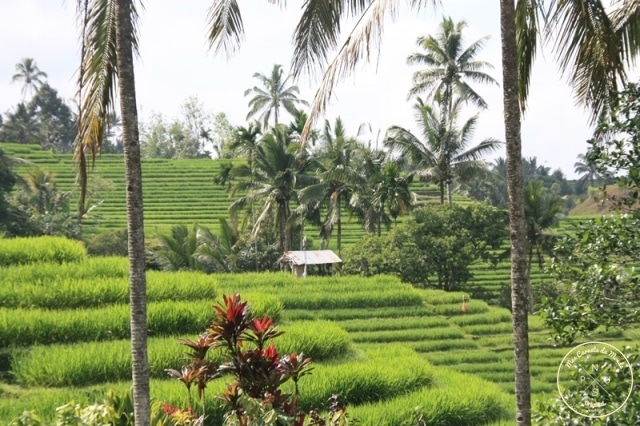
(409,335)
(83,364)
(22,251)
(455,399)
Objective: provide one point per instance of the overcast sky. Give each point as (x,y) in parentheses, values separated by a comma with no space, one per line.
(175,64)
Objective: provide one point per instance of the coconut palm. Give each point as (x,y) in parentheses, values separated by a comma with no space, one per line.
(278,173)
(275,95)
(338,178)
(371,209)
(393,192)
(593,46)
(109,40)
(541,210)
(28,72)
(588,172)
(21,127)
(440,154)
(449,65)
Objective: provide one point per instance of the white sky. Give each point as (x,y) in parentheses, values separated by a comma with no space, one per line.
(176,64)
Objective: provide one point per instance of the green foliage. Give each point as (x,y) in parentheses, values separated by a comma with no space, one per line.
(597,281)
(186,137)
(42,326)
(108,243)
(21,251)
(40,208)
(255,395)
(81,290)
(54,118)
(86,363)
(7,180)
(456,399)
(553,411)
(434,248)
(618,156)
(323,340)
(115,410)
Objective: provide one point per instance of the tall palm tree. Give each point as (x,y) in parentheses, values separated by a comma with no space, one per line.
(28,72)
(595,47)
(393,192)
(365,202)
(278,173)
(441,153)
(275,95)
(109,40)
(541,210)
(588,172)
(338,178)
(449,65)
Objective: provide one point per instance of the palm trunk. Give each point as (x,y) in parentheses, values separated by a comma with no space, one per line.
(516,213)
(339,227)
(441,192)
(449,197)
(135,226)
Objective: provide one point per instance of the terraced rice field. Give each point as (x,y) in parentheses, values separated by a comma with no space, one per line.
(175,191)
(184,192)
(63,337)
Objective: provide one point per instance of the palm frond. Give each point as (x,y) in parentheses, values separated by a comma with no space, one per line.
(626,21)
(226,30)
(365,36)
(588,48)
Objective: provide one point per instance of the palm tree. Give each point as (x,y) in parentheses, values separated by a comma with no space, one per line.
(339,178)
(541,210)
(441,155)
(594,46)
(277,174)
(588,172)
(364,202)
(109,39)
(276,94)
(21,127)
(393,192)
(28,72)
(450,65)
(176,252)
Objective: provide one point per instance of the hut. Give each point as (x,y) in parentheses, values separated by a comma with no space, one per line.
(299,260)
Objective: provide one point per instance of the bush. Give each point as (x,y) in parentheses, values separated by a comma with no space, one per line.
(108,243)
(435,247)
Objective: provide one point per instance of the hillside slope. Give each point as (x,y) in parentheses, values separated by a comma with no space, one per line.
(175,191)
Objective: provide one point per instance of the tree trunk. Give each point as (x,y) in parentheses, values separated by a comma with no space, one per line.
(449,197)
(135,227)
(516,213)
(339,227)
(441,192)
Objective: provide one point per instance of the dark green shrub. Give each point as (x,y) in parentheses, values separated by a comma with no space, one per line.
(434,248)
(108,243)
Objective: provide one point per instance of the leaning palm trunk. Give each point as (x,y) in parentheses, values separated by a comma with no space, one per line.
(135,228)
(519,283)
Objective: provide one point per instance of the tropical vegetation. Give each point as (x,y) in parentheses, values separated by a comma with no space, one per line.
(287,187)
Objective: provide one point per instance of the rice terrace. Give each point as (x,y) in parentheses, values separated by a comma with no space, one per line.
(396,354)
